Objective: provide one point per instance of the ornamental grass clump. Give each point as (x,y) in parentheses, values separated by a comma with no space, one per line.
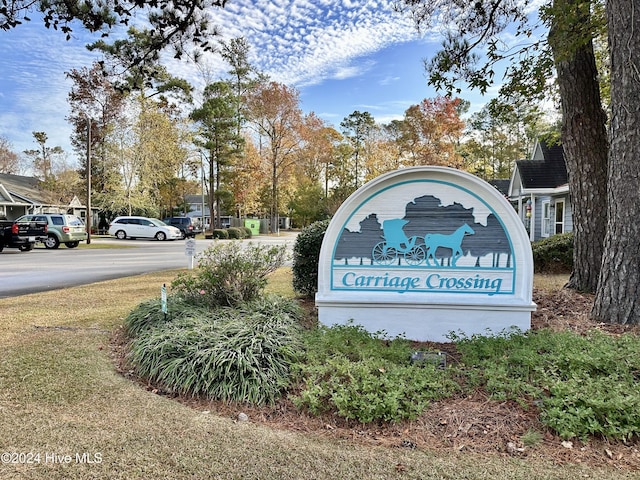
(222,337)
(237,354)
(229,274)
(149,314)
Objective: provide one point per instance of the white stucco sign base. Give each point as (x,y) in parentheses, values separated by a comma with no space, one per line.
(423,252)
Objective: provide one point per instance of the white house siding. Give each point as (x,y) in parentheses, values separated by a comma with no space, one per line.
(568,215)
(568,212)
(537,226)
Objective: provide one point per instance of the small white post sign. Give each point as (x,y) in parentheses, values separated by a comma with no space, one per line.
(423,252)
(190,250)
(163,299)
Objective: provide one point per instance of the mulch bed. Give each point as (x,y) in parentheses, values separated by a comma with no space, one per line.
(467,424)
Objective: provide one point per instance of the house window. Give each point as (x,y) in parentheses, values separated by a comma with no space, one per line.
(546,218)
(559,217)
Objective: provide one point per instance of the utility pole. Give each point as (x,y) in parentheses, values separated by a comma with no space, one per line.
(89,216)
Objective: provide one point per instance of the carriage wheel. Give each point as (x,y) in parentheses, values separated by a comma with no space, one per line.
(384,255)
(415,256)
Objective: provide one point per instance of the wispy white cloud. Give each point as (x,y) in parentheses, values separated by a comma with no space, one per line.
(298,42)
(34,87)
(389,80)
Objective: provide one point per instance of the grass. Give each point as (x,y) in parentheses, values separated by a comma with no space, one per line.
(548,282)
(92,246)
(61,395)
(280,282)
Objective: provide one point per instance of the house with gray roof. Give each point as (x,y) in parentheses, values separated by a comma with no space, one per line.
(20,195)
(539,189)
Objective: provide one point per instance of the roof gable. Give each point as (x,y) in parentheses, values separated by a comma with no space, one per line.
(23,188)
(501,185)
(550,171)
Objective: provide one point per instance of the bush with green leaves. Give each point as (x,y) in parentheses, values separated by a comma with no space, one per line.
(247,232)
(220,234)
(585,384)
(553,254)
(372,389)
(235,233)
(306,255)
(241,354)
(354,343)
(229,273)
(361,377)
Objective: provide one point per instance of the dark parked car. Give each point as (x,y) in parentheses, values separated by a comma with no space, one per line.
(21,234)
(186,225)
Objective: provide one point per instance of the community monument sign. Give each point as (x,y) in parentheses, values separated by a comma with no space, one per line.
(423,252)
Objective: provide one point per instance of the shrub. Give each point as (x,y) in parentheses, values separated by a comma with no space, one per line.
(585,385)
(247,232)
(360,377)
(220,233)
(235,232)
(553,254)
(306,255)
(228,274)
(354,343)
(232,354)
(372,390)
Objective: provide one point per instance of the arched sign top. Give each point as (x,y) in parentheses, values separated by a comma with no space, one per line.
(423,237)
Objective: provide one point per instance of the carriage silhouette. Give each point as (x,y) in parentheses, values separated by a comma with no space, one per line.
(397,245)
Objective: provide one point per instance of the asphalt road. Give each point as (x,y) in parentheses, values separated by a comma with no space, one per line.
(41,269)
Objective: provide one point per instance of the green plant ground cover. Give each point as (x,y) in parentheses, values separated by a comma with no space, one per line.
(67,413)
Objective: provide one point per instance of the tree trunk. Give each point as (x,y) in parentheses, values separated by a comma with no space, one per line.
(212,192)
(217,196)
(618,296)
(275,228)
(584,140)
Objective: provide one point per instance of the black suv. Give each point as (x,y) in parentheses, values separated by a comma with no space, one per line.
(187,226)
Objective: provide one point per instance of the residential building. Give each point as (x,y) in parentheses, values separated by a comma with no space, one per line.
(539,189)
(20,195)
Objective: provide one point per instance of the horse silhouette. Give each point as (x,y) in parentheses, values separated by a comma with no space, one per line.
(433,241)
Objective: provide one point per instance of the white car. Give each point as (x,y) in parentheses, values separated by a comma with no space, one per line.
(142,227)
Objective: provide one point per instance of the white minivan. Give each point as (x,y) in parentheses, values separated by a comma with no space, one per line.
(142,227)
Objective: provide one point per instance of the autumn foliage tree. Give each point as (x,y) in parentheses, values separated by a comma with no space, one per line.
(9,160)
(276,118)
(432,131)
(95,106)
(244,181)
(157,146)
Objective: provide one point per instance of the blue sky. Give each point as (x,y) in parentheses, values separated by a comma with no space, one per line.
(342,56)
